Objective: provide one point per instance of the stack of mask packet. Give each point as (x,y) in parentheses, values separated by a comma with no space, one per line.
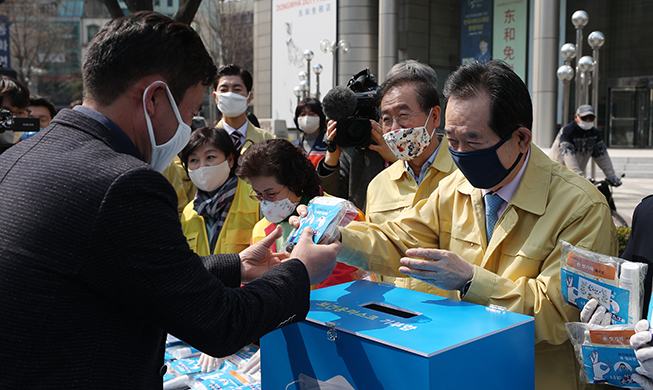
(240,371)
(325,215)
(604,352)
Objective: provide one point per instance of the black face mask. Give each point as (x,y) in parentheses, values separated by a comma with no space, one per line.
(482,167)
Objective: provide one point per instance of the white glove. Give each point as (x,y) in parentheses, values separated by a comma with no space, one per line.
(641,377)
(643,350)
(209,363)
(593,313)
(614,180)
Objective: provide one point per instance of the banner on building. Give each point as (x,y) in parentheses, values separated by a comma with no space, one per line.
(511,33)
(299,25)
(476,31)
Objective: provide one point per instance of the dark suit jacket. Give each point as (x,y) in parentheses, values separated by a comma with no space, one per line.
(94,269)
(640,244)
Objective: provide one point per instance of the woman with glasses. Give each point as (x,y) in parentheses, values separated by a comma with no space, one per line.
(221,217)
(282,178)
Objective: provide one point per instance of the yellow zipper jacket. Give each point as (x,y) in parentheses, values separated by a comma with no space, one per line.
(520,267)
(395,190)
(236,231)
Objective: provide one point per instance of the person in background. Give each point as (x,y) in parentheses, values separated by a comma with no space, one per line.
(579,141)
(14,96)
(483,55)
(40,108)
(410,115)
(311,124)
(490,233)
(282,178)
(233,93)
(95,268)
(221,217)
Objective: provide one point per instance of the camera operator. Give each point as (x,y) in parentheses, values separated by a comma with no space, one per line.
(347,171)
(14,96)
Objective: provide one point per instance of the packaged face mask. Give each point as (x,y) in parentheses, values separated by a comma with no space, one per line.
(617,284)
(604,353)
(325,215)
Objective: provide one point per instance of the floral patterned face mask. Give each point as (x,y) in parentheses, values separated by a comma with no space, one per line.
(406,144)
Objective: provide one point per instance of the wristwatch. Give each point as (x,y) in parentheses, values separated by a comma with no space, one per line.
(466,287)
(331,146)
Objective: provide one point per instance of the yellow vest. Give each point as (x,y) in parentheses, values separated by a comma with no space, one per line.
(395,190)
(184,187)
(236,231)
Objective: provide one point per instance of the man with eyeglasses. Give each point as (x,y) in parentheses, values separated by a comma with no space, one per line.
(580,140)
(410,114)
(14,96)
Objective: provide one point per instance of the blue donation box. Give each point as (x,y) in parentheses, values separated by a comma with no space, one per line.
(378,336)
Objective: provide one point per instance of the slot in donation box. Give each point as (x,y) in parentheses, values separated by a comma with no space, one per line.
(372,335)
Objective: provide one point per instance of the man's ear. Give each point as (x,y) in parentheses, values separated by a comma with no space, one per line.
(435,116)
(525,137)
(250,98)
(153,96)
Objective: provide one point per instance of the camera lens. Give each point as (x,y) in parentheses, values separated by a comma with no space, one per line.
(355,132)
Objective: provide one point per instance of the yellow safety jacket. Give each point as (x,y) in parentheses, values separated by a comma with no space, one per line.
(395,190)
(236,231)
(519,268)
(184,187)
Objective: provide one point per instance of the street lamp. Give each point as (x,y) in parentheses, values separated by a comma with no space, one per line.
(579,19)
(308,56)
(595,40)
(565,74)
(306,89)
(333,47)
(298,92)
(317,68)
(585,67)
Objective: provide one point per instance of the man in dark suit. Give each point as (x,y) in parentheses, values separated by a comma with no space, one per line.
(94,268)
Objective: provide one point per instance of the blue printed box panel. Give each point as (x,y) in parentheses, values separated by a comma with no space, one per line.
(384,337)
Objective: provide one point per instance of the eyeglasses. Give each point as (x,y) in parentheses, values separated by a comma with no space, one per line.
(403,119)
(267,197)
(21,113)
(588,118)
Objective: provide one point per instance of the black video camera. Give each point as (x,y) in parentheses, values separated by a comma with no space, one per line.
(356,130)
(9,123)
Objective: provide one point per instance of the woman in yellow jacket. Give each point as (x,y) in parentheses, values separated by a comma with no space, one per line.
(221,217)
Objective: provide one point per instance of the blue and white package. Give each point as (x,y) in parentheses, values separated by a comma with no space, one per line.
(325,214)
(185,366)
(604,353)
(617,284)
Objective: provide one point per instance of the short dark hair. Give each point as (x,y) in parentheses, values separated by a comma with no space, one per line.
(142,44)
(285,162)
(15,90)
(421,76)
(313,105)
(41,101)
(211,136)
(235,70)
(510,102)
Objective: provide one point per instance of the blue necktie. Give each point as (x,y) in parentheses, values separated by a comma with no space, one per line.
(493,203)
(235,136)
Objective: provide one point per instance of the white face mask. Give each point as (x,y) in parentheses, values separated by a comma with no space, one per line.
(232,104)
(585,125)
(309,124)
(162,155)
(406,144)
(279,210)
(211,177)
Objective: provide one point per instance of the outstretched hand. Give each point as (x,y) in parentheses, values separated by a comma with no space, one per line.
(319,259)
(442,268)
(258,258)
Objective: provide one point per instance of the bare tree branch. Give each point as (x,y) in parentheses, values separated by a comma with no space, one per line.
(139,5)
(187,10)
(114,8)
